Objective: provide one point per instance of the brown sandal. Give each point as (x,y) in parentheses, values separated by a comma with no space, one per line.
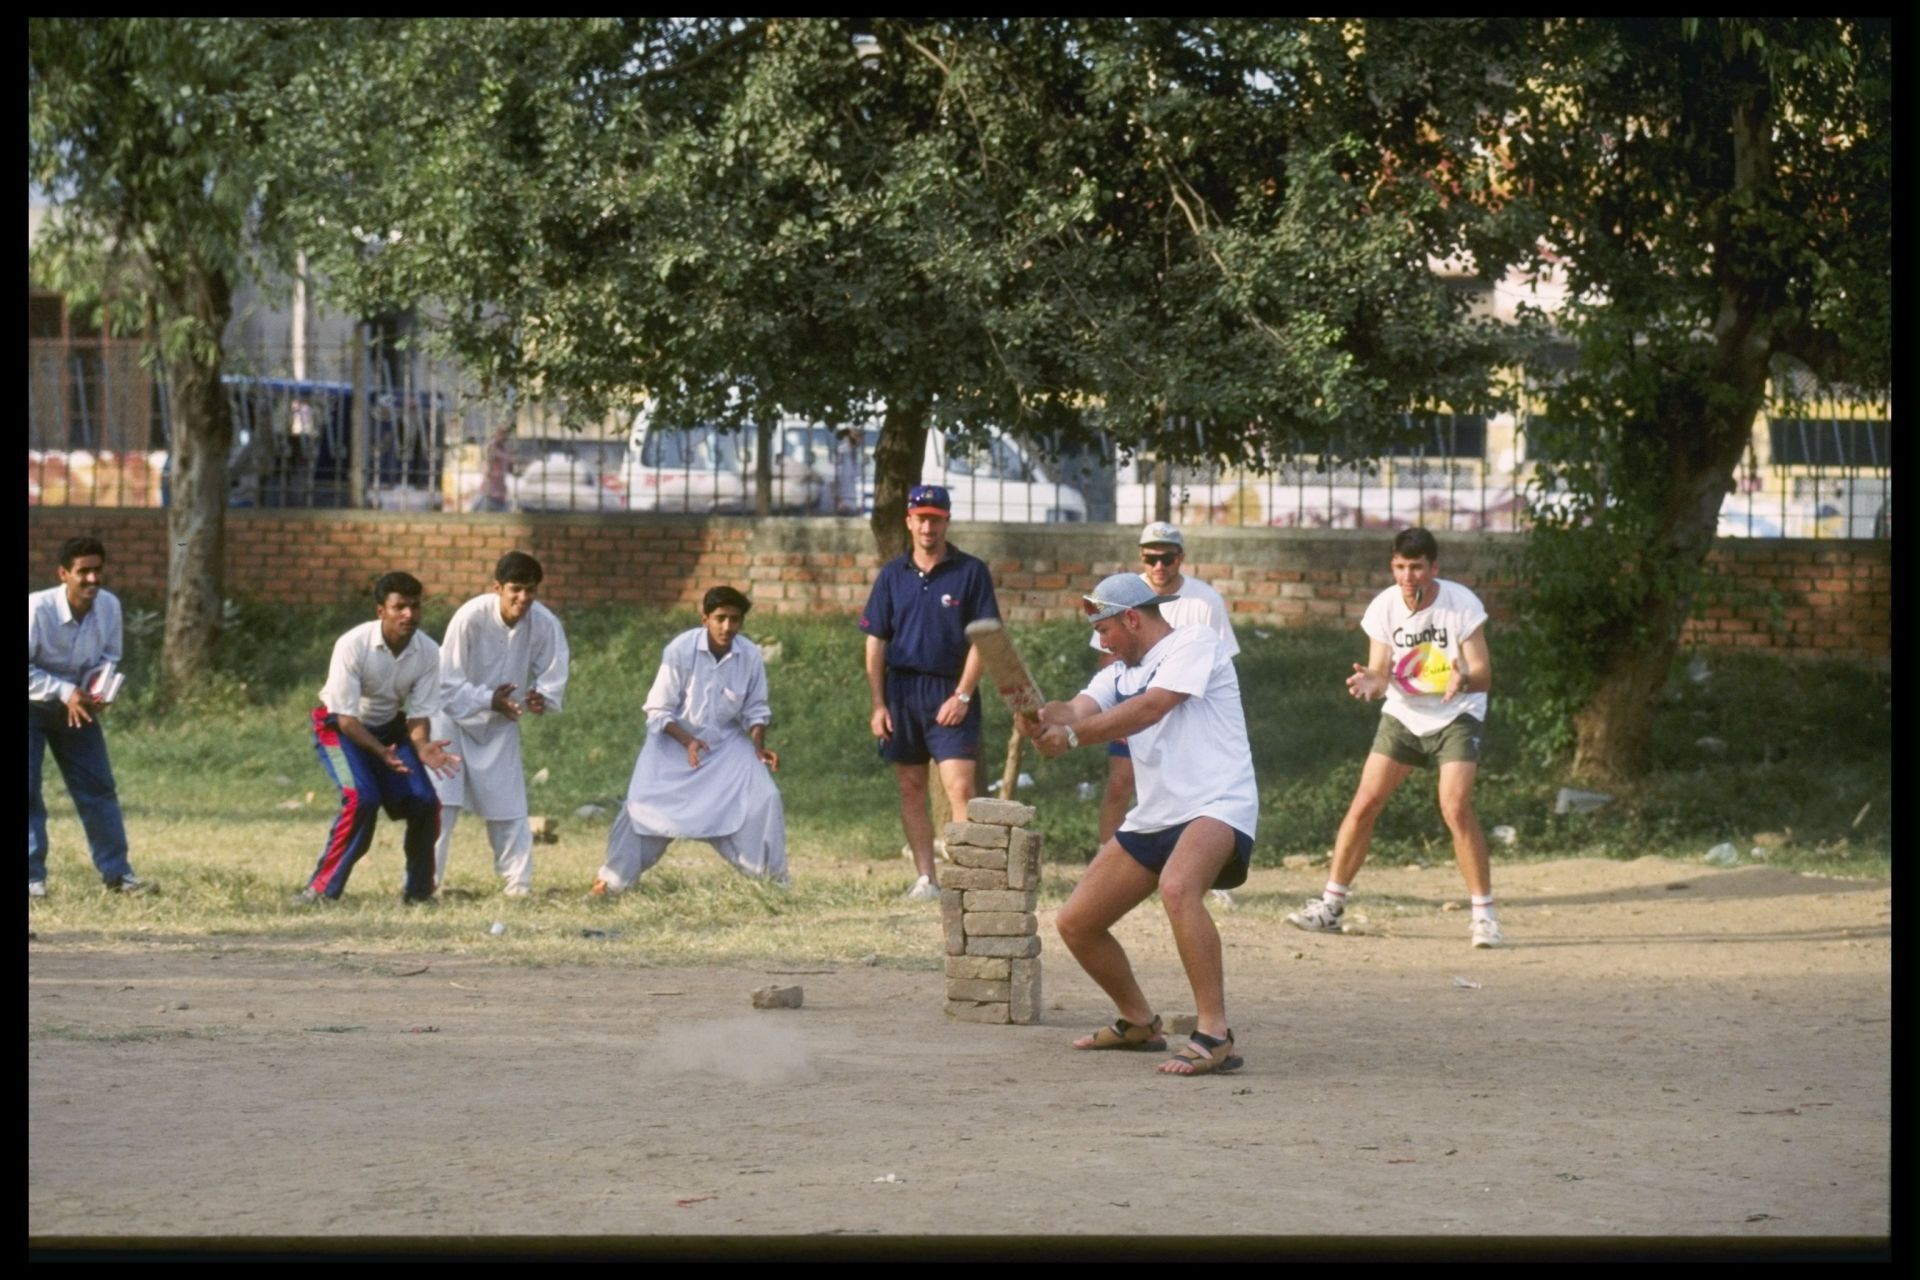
(1129,1035)
(1206,1054)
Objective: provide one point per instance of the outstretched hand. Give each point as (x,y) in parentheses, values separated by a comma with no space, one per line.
(438,759)
(1365,683)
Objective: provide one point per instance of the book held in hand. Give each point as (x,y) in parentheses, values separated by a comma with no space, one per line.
(105,683)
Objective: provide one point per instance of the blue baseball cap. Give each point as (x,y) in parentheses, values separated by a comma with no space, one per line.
(1119,593)
(928,500)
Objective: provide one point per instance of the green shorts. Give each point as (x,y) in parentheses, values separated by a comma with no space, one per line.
(1459,740)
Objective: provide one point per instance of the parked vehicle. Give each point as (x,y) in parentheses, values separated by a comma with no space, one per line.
(562,480)
(995,482)
(706,468)
(292,446)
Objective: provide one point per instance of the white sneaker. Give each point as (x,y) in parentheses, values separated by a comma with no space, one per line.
(1486,933)
(1222,898)
(1316,915)
(517,891)
(36,888)
(130,884)
(924,890)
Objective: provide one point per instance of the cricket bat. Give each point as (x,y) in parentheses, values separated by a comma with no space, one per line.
(1004,667)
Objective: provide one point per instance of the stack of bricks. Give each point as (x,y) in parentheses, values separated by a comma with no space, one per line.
(987,904)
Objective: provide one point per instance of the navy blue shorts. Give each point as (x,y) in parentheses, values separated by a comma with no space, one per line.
(1119,748)
(913,700)
(1151,849)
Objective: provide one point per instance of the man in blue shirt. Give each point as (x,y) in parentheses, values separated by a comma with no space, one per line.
(922,672)
(73,645)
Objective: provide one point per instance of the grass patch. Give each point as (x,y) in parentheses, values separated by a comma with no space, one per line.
(227,807)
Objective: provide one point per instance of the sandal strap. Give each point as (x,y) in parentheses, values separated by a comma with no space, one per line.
(1212,1044)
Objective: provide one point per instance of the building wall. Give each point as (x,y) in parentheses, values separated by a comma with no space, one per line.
(1790,595)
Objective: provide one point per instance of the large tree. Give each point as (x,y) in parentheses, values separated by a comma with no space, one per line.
(965,221)
(1719,196)
(138,134)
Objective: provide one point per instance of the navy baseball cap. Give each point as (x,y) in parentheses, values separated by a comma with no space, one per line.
(1119,593)
(928,500)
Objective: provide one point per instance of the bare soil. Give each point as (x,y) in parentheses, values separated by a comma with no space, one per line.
(1663,1050)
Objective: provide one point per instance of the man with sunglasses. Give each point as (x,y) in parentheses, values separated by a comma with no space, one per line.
(1176,697)
(922,671)
(1192,603)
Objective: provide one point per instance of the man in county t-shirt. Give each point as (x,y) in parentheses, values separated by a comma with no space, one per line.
(1427,656)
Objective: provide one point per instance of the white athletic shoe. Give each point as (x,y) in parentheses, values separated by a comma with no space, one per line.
(1486,933)
(36,888)
(1221,898)
(517,891)
(1316,915)
(924,890)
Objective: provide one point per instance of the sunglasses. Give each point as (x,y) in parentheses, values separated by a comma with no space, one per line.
(1159,557)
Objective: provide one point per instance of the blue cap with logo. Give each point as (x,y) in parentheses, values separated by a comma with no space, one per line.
(928,500)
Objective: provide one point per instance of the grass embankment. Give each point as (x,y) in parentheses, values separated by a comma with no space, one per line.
(227,807)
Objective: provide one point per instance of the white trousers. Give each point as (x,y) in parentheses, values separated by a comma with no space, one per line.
(512,840)
(758,849)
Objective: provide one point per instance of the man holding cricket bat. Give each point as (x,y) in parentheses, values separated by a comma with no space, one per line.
(922,671)
(73,653)
(1174,695)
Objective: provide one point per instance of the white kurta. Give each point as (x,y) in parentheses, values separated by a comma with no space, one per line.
(717,702)
(480,654)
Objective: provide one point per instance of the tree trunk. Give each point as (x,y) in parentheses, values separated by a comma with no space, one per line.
(897,459)
(197,514)
(1614,729)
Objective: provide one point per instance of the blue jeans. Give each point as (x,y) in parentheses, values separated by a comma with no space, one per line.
(82,756)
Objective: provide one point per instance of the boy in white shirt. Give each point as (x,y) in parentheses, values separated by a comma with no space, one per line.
(1427,656)
(371,732)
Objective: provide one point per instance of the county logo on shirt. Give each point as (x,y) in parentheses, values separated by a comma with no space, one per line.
(1423,670)
(947,601)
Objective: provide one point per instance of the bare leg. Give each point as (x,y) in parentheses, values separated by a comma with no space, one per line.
(1379,779)
(957,777)
(1469,842)
(1113,885)
(1204,849)
(1117,797)
(914,816)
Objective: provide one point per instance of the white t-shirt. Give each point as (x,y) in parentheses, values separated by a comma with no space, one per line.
(1196,762)
(1425,645)
(1199,605)
(370,682)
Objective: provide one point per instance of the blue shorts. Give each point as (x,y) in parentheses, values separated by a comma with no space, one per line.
(913,700)
(1118,747)
(1151,849)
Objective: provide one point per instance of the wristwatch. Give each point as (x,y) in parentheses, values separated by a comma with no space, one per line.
(1073,739)
(965,698)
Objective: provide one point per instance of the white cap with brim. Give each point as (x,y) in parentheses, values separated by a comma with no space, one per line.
(1121,592)
(1162,532)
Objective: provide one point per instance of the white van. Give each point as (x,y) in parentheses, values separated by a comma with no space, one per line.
(703,469)
(998,482)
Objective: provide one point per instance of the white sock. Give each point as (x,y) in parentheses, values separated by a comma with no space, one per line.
(1334,895)
(1483,906)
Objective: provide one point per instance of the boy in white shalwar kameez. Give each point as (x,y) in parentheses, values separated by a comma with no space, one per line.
(498,644)
(705,772)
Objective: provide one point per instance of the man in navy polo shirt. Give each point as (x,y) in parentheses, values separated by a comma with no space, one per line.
(922,671)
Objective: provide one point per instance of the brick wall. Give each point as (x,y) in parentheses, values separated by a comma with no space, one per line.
(1790,595)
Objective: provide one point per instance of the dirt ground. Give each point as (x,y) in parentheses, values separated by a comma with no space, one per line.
(1663,1050)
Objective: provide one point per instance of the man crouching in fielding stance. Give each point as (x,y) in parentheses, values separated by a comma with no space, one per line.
(1427,656)
(371,734)
(1176,700)
(498,644)
(705,770)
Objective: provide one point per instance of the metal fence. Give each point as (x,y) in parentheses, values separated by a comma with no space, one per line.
(429,439)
